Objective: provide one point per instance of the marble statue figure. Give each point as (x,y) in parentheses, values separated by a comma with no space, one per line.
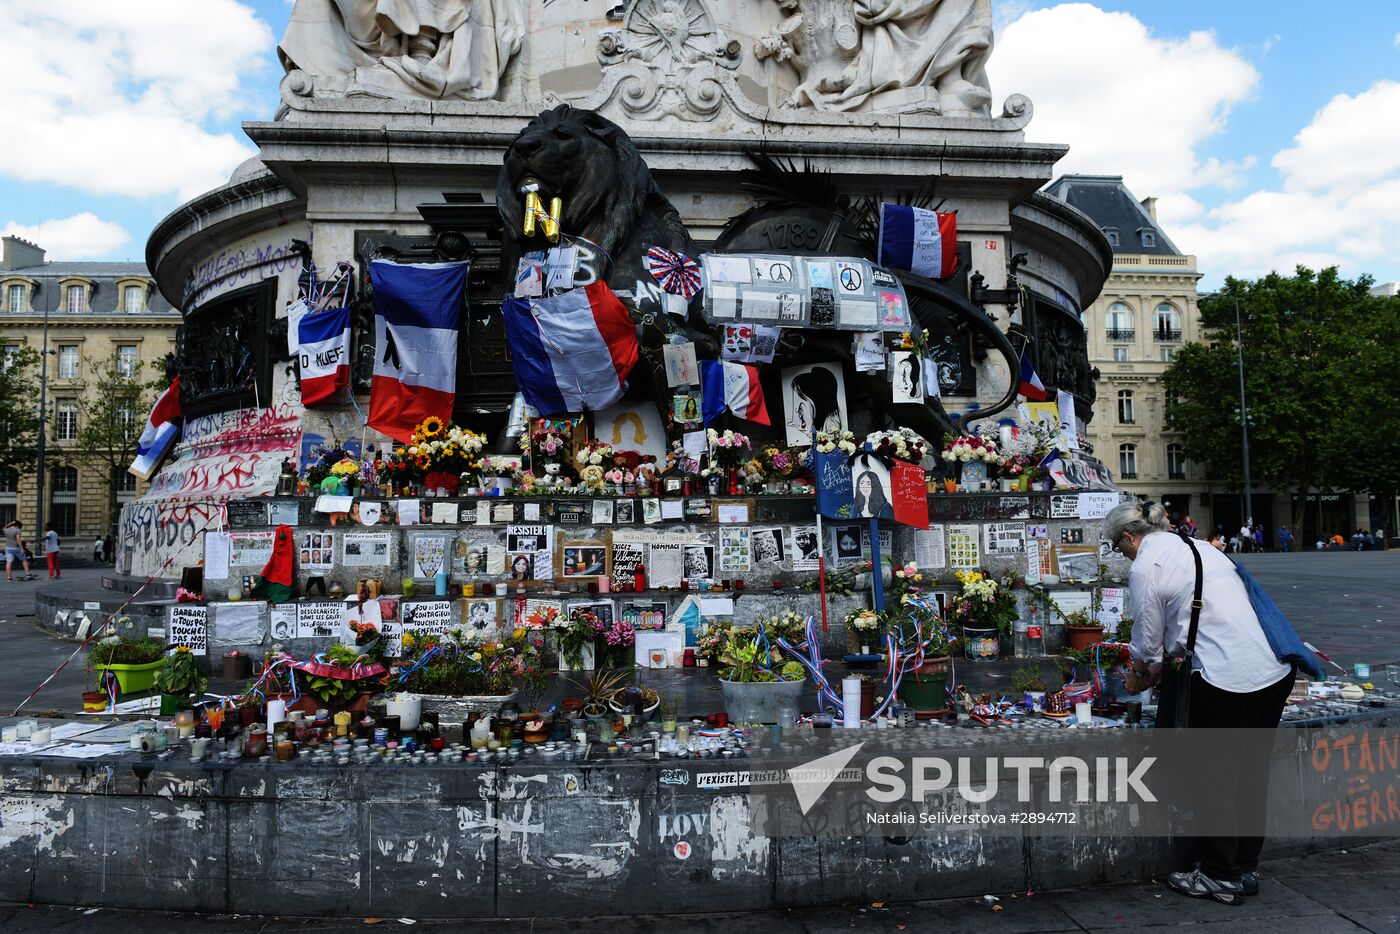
(899,56)
(436,49)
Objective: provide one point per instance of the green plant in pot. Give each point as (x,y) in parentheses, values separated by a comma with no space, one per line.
(1028,682)
(1081,630)
(181,684)
(598,689)
(134,662)
(758,686)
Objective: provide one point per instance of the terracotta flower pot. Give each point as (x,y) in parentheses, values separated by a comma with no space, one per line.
(1081,637)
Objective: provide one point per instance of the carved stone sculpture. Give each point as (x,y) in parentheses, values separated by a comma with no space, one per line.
(436,49)
(902,56)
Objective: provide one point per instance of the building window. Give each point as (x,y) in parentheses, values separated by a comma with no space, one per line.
(126,417)
(133,299)
(66,420)
(1118,324)
(1149,238)
(77,299)
(63,502)
(1125,406)
(126,361)
(15,298)
(1120,355)
(1168,354)
(1112,234)
(68,361)
(1176,462)
(9,496)
(124,483)
(1127,461)
(8,354)
(1166,325)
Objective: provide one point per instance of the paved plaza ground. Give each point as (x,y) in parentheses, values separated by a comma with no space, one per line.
(1346,603)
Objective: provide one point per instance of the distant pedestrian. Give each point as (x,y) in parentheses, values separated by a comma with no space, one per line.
(51,550)
(1285,539)
(1189,527)
(1259,539)
(1246,538)
(1235,544)
(107,550)
(15,550)
(1380,539)
(99,551)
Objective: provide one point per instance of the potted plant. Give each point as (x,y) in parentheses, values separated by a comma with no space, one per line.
(615,647)
(1081,631)
(133,662)
(758,686)
(598,689)
(341,679)
(917,626)
(457,674)
(180,682)
(1028,682)
(627,699)
(983,611)
(863,628)
(575,636)
(1123,632)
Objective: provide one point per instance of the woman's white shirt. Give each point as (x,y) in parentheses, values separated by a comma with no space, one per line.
(1232,651)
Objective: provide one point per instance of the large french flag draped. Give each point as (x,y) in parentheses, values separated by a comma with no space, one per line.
(1031,386)
(417,309)
(732,386)
(323,355)
(573,351)
(918,240)
(162,428)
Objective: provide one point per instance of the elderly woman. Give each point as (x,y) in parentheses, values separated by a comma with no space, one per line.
(1236,680)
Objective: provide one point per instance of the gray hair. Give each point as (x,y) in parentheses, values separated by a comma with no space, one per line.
(1137,518)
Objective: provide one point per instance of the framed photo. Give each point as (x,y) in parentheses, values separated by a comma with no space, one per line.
(583,559)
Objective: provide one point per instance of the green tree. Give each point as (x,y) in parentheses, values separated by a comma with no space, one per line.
(19,408)
(1365,371)
(1312,379)
(111,417)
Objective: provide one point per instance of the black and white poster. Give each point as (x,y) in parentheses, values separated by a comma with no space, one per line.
(768,550)
(699,564)
(845,545)
(803,548)
(906,371)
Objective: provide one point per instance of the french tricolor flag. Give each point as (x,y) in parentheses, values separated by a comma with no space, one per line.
(323,355)
(732,386)
(162,428)
(1031,386)
(417,308)
(918,240)
(573,351)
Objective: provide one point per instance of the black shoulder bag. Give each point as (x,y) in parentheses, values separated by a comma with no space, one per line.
(1174,691)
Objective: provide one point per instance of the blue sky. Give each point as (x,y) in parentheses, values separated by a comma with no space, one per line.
(130,108)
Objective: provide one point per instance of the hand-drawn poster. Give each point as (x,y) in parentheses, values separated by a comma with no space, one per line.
(430,617)
(627,556)
(814,399)
(318,620)
(429,555)
(188,627)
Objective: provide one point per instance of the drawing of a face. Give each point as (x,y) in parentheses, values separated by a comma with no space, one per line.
(864,485)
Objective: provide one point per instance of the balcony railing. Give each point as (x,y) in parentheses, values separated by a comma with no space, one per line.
(1127,475)
(1120,334)
(1166,335)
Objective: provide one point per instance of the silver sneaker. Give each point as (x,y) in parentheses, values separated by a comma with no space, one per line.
(1197,884)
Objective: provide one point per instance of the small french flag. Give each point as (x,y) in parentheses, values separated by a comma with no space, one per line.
(417,310)
(162,428)
(918,240)
(323,355)
(732,386)
(1031,386)
(573,351)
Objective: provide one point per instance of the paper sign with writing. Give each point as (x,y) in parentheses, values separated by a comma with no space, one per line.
(910,490)
(187,626)
(962,547)
(430,617)
(1096,505)
(834,495)
(318,620)
(1005,538)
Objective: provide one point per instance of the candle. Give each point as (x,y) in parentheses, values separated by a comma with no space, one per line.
(342,723)
(1084,712)
(850,702)
(184,722)
(276,713)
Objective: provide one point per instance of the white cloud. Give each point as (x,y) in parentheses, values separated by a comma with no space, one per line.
(116,98)
(1128,102)
(82,236)
(1338,202)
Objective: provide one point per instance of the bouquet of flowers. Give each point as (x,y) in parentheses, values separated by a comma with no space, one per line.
(434,446)
(778,462)
(901,444)
(788,625)
(595,454)
(547,443)
(617,645)
(710,643)
(983,603)
(728,451)
(965,448)
(323,463)
(865,622)
(828,441)
(454,665)
(581,627)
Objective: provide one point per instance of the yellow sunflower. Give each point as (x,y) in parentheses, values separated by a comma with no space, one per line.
(430,427)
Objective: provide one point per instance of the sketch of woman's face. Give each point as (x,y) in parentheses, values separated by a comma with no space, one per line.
(864,485)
